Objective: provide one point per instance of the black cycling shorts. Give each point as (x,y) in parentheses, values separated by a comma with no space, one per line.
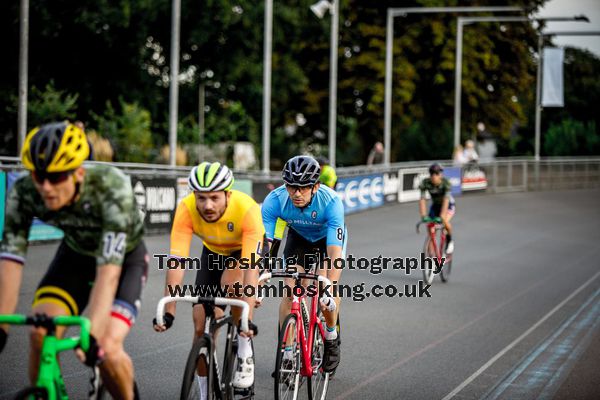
(212,266)
(71,275)
(303,252)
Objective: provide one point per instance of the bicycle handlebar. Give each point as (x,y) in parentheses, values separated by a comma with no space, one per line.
(217,301)
(301,275)
(43,320)
(428,220)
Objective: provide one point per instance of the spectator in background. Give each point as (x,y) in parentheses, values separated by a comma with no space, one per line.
(458,156)
(470,154)
(376,154)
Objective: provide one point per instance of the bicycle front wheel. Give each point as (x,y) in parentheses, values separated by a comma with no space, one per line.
(199,353)
(428,268)
(32,393)
(445,272)
(287,362)
(319,381)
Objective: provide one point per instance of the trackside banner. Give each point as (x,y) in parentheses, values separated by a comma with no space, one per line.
(361,192)
(454,175)
(157,200)
(409,180)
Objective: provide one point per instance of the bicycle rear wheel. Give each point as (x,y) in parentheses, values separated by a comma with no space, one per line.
(428,268)
(189,388)
(319,381)
(287,369)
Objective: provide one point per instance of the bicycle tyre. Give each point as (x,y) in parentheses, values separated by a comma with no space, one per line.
(428,272)
(189,388)
(290,324)
(317,388)
(229,362)
(40,393)
(446,269)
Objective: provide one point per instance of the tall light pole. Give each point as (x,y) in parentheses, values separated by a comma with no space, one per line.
(266,118)
(174,81)
(397,12)
(319,9)
(458,69)
(23,74)
(201,118)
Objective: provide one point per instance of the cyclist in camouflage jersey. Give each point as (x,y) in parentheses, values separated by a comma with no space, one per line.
(102,258)
(442,202)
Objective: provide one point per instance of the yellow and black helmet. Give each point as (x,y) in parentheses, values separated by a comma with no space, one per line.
(55,147)
(210,177)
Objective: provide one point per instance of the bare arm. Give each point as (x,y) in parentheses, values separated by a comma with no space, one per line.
(334,252)
(102,297)
(174,278)
(423,207)
(11,273)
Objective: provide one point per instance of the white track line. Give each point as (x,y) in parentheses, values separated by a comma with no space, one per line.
(492,360)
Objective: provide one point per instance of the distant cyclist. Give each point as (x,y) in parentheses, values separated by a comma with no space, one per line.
(102,260)
(328,176)
(315,216)
(442,202)
(230,226)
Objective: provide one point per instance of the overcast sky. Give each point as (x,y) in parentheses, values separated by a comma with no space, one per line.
(591,8)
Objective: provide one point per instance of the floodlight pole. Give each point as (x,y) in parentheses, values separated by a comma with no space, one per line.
(174,82)
(23,74)
(267,57)
(396,12)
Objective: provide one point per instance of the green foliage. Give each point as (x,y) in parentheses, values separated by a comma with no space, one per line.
(572,138)
(230,122)
(350,149)
(111,50)
(129,131)
(50,105)
(426,140)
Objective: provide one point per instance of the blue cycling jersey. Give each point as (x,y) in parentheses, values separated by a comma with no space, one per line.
(324,216)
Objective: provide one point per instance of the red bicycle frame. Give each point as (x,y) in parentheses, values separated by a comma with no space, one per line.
(432,227)
(305,337)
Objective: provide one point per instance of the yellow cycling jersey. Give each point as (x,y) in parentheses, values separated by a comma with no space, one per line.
(239,228)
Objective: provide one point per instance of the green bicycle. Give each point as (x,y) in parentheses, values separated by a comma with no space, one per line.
(50,384)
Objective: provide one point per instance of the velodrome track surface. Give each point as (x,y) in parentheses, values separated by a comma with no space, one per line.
(524,264)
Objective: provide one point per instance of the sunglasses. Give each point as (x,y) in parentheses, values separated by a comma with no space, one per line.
(295,188)
(52,177)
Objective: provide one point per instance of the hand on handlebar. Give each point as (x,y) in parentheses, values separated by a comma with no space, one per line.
(168,318)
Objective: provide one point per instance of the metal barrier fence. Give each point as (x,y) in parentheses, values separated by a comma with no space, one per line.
(159,188)
(547,174)
(505,174)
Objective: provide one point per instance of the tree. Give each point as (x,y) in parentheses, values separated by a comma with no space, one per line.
(129,130)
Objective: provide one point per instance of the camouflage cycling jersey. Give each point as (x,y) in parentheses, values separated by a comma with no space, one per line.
(104,222)
(438,193)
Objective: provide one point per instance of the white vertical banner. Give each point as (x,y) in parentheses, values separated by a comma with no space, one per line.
(552,84)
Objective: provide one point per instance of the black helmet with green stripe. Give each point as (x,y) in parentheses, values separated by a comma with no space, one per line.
(210,177)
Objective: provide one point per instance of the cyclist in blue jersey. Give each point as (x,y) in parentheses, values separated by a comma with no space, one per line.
(315,216)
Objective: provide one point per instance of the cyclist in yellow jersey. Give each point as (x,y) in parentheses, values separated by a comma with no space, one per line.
(328,176)
(230,225)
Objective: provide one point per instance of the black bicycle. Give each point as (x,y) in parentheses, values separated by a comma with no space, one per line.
(204,349)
